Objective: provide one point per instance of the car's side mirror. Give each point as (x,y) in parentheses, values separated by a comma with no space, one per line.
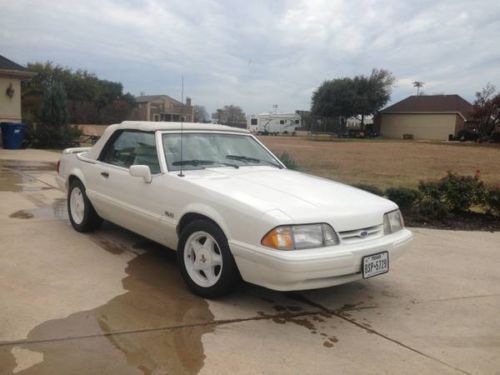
(141,171)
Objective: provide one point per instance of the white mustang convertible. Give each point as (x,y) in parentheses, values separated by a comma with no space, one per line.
(230,208)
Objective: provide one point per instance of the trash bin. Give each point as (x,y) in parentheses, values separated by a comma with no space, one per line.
(12,135)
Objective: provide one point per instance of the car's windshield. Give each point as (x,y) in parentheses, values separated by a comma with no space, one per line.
(212,150)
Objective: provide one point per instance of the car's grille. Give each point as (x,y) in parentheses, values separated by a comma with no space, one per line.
(363,234)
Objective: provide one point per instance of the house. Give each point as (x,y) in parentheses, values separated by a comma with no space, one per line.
(11,75)
(269,122)
(161,108)
(430,117)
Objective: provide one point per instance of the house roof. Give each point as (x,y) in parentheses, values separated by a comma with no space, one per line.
(10,68)
(7,64)
(150,98)
(431,104)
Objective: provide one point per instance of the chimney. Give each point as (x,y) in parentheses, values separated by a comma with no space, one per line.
(188,101)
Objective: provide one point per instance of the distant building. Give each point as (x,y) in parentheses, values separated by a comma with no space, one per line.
(269,122)
(431,117)
(161,108)
(11,75)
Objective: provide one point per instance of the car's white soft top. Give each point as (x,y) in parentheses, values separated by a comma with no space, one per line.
(155,126)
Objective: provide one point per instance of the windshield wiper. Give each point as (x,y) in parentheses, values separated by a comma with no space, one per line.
(249,159)
(243,158)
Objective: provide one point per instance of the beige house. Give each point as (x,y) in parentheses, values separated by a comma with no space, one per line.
(161,108)
(430,117)
(11,75)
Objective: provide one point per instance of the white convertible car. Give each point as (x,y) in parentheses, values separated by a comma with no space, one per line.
(230,208)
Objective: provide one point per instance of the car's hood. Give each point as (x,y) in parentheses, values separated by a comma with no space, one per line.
(301,197)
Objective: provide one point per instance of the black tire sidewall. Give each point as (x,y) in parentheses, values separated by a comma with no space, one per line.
(229,273)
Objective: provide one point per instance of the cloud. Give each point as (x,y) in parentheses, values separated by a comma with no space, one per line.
(259,53)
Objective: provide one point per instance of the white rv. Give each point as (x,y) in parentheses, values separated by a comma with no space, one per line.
(274,123)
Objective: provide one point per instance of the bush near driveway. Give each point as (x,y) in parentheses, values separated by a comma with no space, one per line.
(459,193)
(492,200)
(405,198)
(454,201)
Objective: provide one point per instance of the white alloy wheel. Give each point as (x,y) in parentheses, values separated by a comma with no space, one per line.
(203,259)
(77,205)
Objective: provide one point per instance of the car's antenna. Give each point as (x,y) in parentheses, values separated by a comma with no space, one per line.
(182,124)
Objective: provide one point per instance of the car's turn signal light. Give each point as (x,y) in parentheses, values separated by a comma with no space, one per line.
(279,238)
(300,237)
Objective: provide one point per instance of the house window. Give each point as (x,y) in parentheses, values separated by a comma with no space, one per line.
(156,117)
(282,122)
(297,121)
(253,121)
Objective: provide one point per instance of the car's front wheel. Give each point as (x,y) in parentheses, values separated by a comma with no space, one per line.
(205,260)
(81,213)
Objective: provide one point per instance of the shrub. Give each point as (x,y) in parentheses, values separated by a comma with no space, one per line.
(492,200)
(467,135)
(461,192)
(495,137)
(51,136)
(451,194)
(431,208)
(289,161)
(370,188)
(430,204)
(52,129)
(403,197)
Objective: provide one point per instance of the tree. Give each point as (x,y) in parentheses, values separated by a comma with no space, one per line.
(346,97)
(200,114)
(52,129)
(418,85)
(89,99)
(486,110)
(231,115)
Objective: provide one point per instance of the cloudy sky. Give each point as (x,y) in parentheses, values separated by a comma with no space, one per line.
(259,53)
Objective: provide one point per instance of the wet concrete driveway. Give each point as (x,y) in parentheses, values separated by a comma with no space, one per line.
(114,303)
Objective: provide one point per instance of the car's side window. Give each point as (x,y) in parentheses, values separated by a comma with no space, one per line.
(132,148)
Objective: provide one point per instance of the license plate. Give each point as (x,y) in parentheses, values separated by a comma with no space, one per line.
(375,264)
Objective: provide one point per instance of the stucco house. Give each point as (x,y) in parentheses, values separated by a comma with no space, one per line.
(11,75)
(430,117)
(161,108)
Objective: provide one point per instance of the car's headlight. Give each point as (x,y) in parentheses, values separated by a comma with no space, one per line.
(393,222)
(297,237)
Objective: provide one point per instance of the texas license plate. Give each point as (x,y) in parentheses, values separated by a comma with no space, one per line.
(375,264)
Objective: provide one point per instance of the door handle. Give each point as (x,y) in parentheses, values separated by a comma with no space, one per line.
(105,174)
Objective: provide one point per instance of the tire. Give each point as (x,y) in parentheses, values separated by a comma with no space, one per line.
(210,271)
(82,214)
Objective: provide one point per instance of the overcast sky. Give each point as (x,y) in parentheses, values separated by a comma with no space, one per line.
(259,53)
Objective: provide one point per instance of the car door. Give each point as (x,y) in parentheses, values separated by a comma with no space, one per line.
(121,198)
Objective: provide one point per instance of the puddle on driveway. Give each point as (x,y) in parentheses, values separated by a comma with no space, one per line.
(13,176)
(57,210)
(125,333)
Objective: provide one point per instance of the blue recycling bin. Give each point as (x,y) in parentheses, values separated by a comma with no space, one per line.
(12,135)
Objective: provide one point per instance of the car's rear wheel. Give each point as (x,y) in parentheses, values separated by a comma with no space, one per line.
(82,214)
(205,259)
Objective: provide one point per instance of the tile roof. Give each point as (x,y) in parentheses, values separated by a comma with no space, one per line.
(431,104)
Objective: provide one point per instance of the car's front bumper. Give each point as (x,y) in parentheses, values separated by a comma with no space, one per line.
(312,268)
